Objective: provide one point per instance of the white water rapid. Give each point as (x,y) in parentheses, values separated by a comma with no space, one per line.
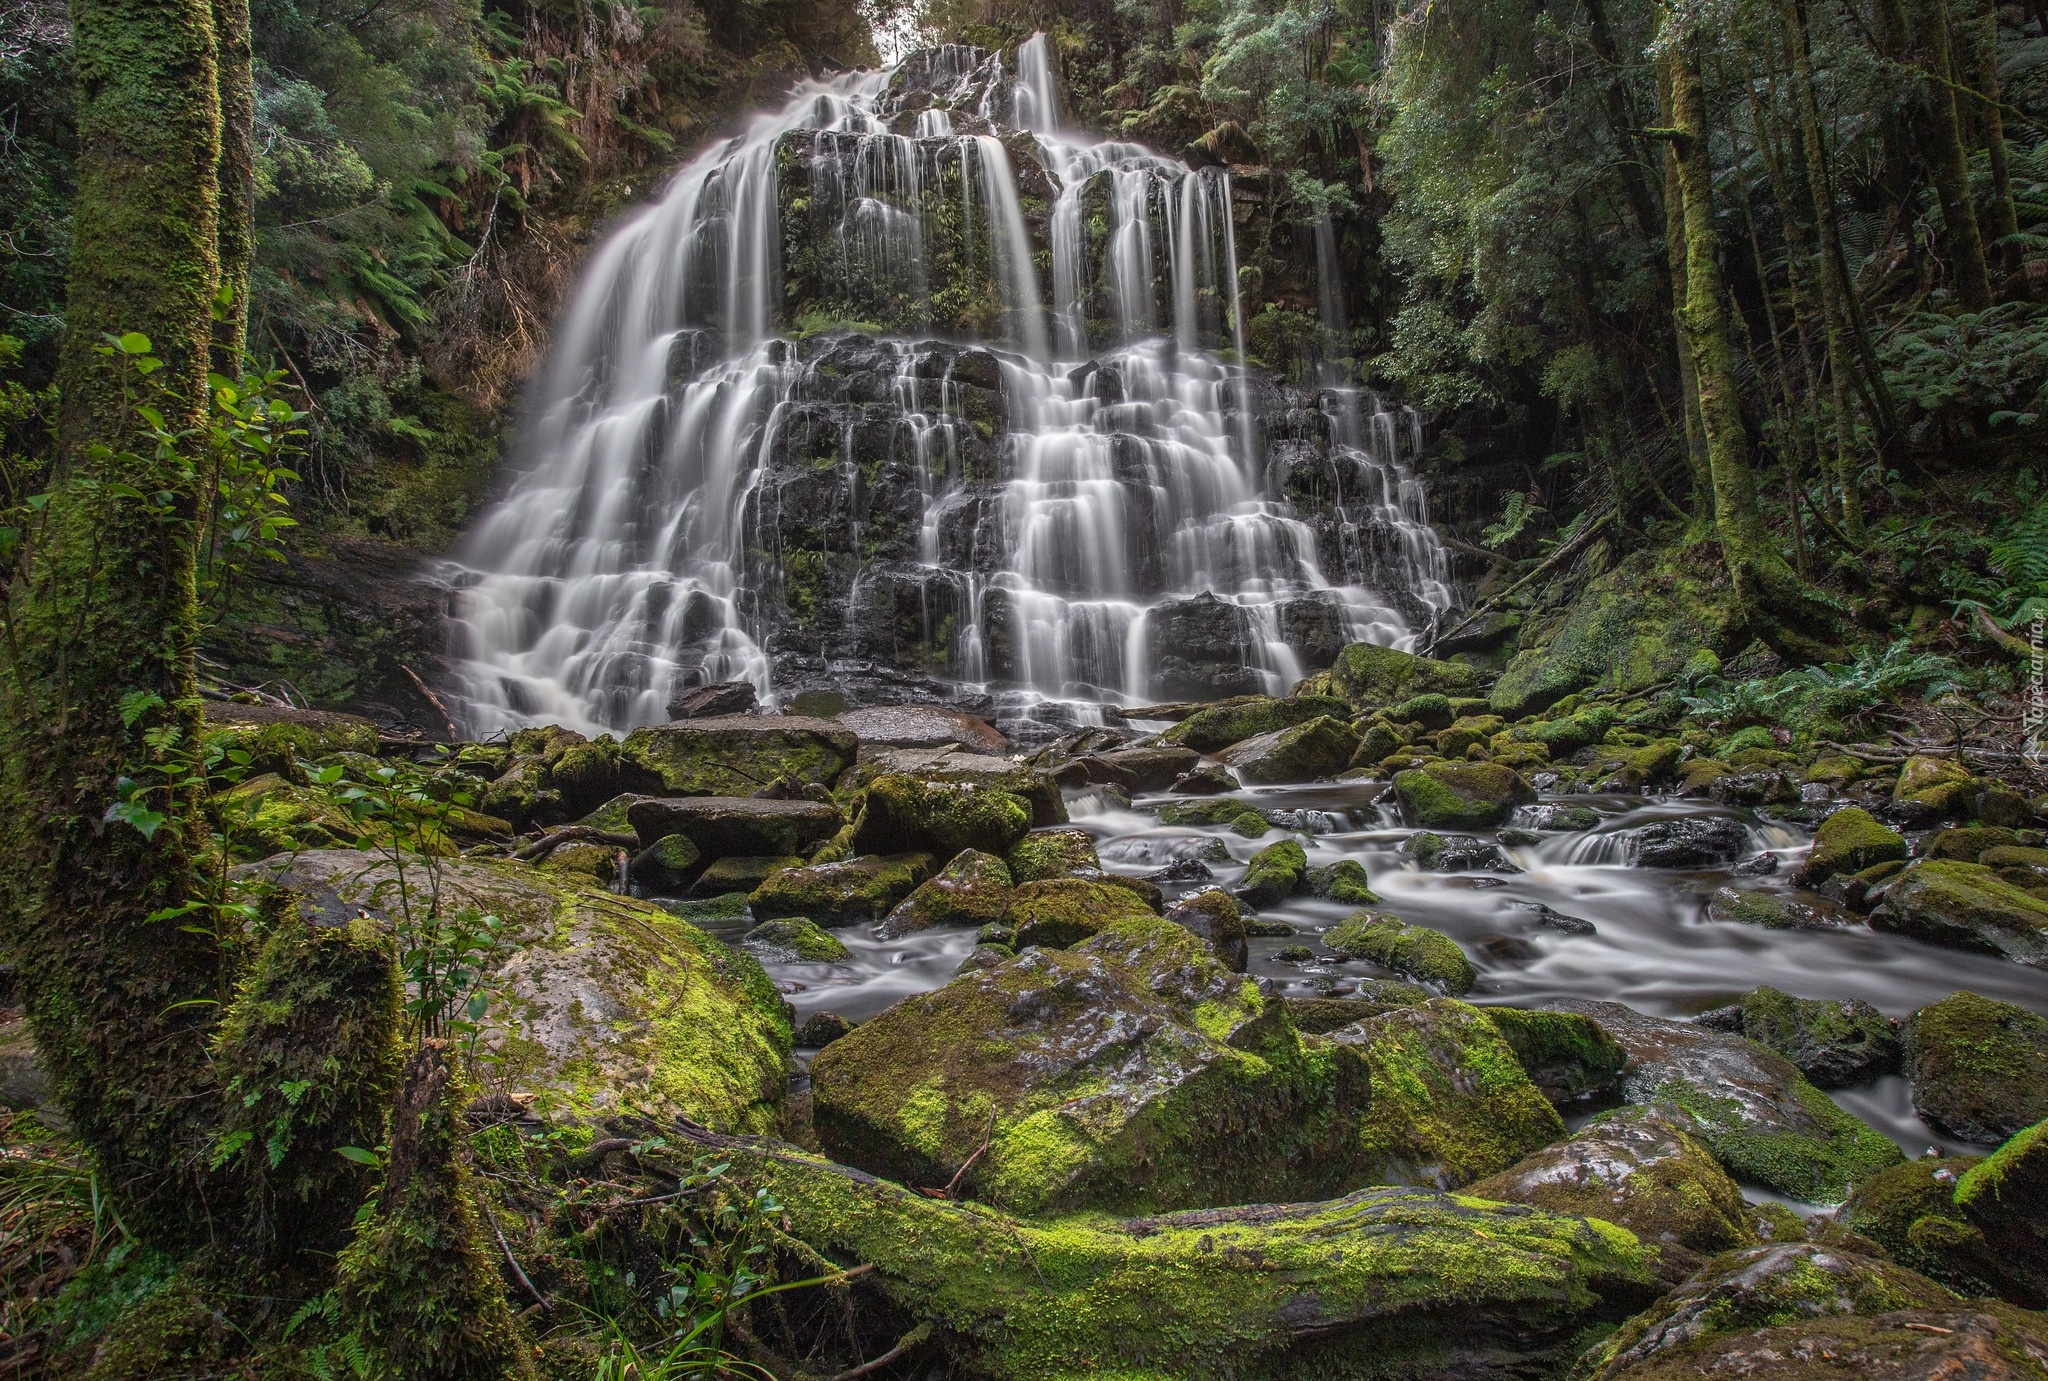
(1131,535)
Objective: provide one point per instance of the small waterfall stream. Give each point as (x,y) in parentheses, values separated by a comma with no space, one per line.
(1115,524)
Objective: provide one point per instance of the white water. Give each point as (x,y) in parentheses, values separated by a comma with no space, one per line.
(617,568)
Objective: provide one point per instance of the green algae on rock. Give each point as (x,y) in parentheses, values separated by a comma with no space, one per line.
(794,939)
(1966,906)
(1057,912)
(1848,842)
(1133,1072)
(974,889)
(1979,1067)
(1566,1054)
(1415,950)
(1051,853)
(1461,795)
(1319,748)
(1344,881)
(903,813)
(1235,815)
(1274,873)
(1234,721)
(851,893)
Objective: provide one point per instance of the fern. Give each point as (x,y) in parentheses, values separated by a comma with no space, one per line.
(2021,553)
(1515,515)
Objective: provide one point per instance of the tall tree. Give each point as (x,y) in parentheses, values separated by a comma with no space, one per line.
(236,80)
(1925,27)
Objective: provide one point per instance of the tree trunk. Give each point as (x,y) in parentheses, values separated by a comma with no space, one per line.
(1688,381)
(102,611)
(237,235)
(2001,220)
(1926,30)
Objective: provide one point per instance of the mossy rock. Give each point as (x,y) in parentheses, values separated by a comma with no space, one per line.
(795,939)
(904,814)
(734,755)
(1450,1102)
(1910,1211)
(269,815)
(1834,1042)
(1368,676)
(1966,906)
(1639,1168)
(1131,1073)
(1644,767)
(277,738)
(1221,725)
(1376,742)
(1432,711)
(1040,791)
(604,1005)
(1462,795)
(1234,815)
(1777,910)
(1052,853)
(1967,843)
(1058,912)
(1933,786)
(726,906)
(850,893)
(1308,752)
(1343,881)
(1322,1015)
(1562,737)
(2006,1198)
(1839,770)
(1848,842)
(974,889)
(1979,1067)
(668,865)
(1274,874)
(1566,1054)
(1212,916)
(1747,1104)
(725,826)
(1415,950)
(741,873)
(587,775)
(593,863)
(612,817)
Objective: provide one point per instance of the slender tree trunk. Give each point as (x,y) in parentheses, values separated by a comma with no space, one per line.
(2001,220)
(1926,29)
(237,235)
(103,612)
(1688,381)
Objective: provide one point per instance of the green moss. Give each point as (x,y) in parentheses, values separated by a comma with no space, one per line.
(1431,711)
(1369,676)
(1821,1166)
(1910,1211)
(1968,842)
(1567,1054)
(1969,906)
(974,889)
(740,873)
(1052,853)
(1848,842)
(1306,752)
(1233,721)
(268,815)
(903,814)
(1238,817)
(1057,912)
(1343,881)
(280,744)
(1979,1067)
(1563,737)
(1275,873)
(858,890)
(1422,953)
(793,938)
(726,907)
(1940,785)
(738,755)
(1463,795)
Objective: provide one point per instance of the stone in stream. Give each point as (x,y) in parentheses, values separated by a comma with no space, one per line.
(668,865)
(713,701)
(820,1029)
(1807,1310)
(1153,769)
(1566,818)
(838,894)
(1455,853)
(1052,853)
(1834,1042)
(1204,781)
(974,889)
(1979,1068)
(1308,752)
(1417,951)
(731,755)
(1343,881)
(1274,874)
(1761,1118)
(738,873)
(1461,795)
(1967,843)
(793,940)
(1848,842)
(1697,841)
(2006,1198)
(1322,1015)
(1931,788)
(1565,1054)
(1778,910)
(1910,1211)
(1965,906)
(1229,722)
(720,826)
(903,813)
(1058,912)
(1238,817)
(1212,916)
(1132,1073)
(923,726)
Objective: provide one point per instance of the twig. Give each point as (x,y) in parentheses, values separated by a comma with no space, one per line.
(952,1189)
(447,720)
(573,834)
(903,1345)
(512,1260)
(1571,548)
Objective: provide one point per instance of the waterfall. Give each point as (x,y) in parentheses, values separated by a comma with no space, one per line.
(908,390)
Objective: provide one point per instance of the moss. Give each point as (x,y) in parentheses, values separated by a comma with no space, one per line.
(1567,1054)
(725,907)
(597,863)
(1833,1042)
(1052,853)
(1431,711)
(1306,752)
(1369,676)
(790,939)
(1839,770)
(974,889)
(1467,795)
(1969,906)
(1818,1166)
(1212,916)
(1968,842)
(1234,721)
(1057,912)
(1238,817)
(278,742)
(858,890)
(1275,873)
(1343,881)
(1906,1208)
(903,814)
(1563,737)
(737,755)
(741,873)
(669,864)
(1322,1015)
(1414,950)
(2005,1198)
(268,815)
(1979,1067)
(1848,842)
(1376,743)
(1938,785)
(1645,766)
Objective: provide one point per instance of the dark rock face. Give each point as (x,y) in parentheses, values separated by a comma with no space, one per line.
(1691,843)
(721,826)
(726,697)
(924,726)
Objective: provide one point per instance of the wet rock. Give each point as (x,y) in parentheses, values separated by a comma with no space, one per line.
(820,1029)
(1761,865)
(1058,912)
(722,825)
(1910,1211)
(1199,646)
(1848,842)
(1235,721)
(1566,1054)
(1304,753)
(1834,1042)
(1321,1015)
(1417,951)
(1181,870)
(2026,869)
(793,940)
(1343,881)
(1979,1068)
(1154,769)
(739,873)
(1204,781)
(837,894)
(1694,842)
(1765,786)
(1234,815)
(1569,734)
(1105,1088)
(1930,788)
(1377,741)
(2005,1197)
(1966,843)
(1271,930)
(667,866)
(1761,1118)
(1036,789)
(1465,795)
(733,754)
(710,702)
(903,813)
(1569,925)
(987,957)
(923,726)
(1455,853)
(1369,676)
(974,889)
(1639,1168)
(1430,712)
(611,817)
(1562,817)
(1778,910)
(1966,906)
(1275,873)
(1450,1102)
(1052,853)
(1212,916)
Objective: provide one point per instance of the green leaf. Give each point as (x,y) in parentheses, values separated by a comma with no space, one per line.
(133,343)
(359,1155)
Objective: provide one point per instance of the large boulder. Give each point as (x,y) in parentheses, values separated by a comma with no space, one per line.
(1910,1210)
(1057,912)
(1368,677)
(1131,1073)
(1697,841)
(732,755)
(972,890)
(1461,795)
(720,826)
(1427,955)
(1234,721)
(602,1005)
(1450,1102)
(904,813)
(853,892)
(1211,916)
(1848,842)
(923,726)
(1979,1068)
(1052,853)
(1930,788)
(278,737)
(1304,753)
(1155,768)
(1566,1054)
(1274,874)
(1832,1041)
(1747,1104)
(1039,790)
(2005,1197)
(1966,906)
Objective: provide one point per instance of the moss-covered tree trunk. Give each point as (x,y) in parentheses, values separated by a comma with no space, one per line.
(2001,217)
(1688,382)
(1925,28)
(103,609)
(237,234)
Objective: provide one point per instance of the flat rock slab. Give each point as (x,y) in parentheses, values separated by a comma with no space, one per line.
(923,726)
(731,755)
(722,826)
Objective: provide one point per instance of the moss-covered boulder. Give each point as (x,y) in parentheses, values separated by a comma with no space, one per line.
(1343,881)
(1567,734)
(1377,740)
(1235,721)
(1430,712)
(1052,853)
(1566,1054)
(1777,910)
(1274,874)
(974,889)
(1450,1102)
(604,1005)
(1213,917)
(1430,956)
(1461,795)
(1369,677)
(1057,912)
(721,826)
(268,815)
(740,873)
(2005,1197)
(851,893)
(793,940)
(1307,752)
(1133,1073)
(1834,1042)
(1848,842)
(903,814)
(1639,1168)
(1910,1211)
(1322,1015)
(1967,843)
(1233,815)
(1747,1104)
(1979,1067)
(1966,906)
(1933,787)
(277,738)
(667,866)
(1153,768)
(732,755)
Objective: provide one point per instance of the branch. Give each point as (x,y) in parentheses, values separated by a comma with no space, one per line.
(903,1345)
(1571,548)
(1990,629)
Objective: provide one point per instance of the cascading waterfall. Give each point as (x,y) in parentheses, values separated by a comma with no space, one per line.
(720,482)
